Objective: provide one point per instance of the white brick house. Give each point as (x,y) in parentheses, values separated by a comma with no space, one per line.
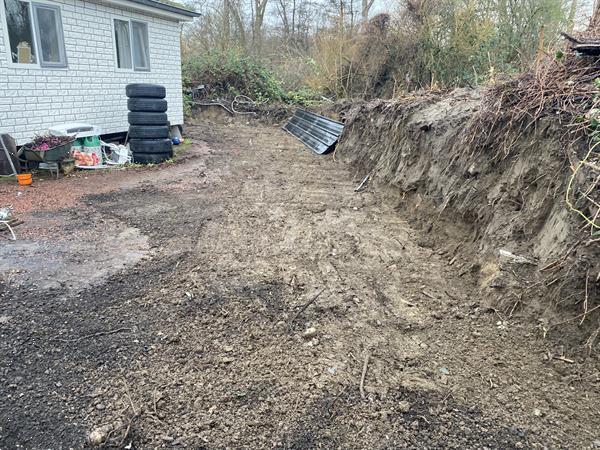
(69,61)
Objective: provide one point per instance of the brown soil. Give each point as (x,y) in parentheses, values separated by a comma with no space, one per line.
(477,206)
(178,308)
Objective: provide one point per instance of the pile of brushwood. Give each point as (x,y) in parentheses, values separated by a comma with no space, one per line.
(567,88)
(238,84)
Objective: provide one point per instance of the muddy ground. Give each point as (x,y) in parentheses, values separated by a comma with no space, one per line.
(246,297)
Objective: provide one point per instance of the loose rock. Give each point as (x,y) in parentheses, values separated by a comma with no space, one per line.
(404,406)
(99,435)
(309,333)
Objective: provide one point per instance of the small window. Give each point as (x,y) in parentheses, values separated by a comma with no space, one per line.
(122,38)
(50,36)
(131,42)
(141,55)
(20,32)
(35,34)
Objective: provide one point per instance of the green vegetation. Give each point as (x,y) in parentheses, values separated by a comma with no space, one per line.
(226,74)
(317,48)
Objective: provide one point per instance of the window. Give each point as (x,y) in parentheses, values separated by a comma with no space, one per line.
(122,38)
(141,55)
(35,34)
(51,46)
(131,41)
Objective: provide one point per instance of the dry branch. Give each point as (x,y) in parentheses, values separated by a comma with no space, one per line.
(361,386)
(561,88)
(305,306)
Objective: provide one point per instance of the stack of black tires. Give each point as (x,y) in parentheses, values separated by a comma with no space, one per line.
(148,124)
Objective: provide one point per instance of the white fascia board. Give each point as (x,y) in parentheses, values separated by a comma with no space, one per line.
(148,10)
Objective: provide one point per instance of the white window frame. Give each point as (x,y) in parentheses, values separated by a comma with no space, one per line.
(114,38)
(60,34)
(36,37)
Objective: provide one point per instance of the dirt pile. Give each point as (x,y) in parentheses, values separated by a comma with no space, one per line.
(502,220)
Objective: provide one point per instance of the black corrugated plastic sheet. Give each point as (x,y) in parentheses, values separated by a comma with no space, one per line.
(318,133)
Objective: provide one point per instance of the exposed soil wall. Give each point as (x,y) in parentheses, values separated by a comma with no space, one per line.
(503,221)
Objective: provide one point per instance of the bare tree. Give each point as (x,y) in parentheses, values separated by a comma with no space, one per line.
(595,21)
(260,6)
(572,14)
(236,12)
(225,42)
(366,7)
(286,12)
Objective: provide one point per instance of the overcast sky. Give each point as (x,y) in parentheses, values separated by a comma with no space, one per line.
(584,9)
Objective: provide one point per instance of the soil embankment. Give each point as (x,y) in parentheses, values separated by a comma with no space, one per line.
(503,221)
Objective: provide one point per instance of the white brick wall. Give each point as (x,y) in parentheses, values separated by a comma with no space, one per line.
(91,89)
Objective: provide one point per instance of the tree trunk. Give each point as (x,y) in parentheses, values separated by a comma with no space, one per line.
(283,15)
(366,7)
(226,35)
(239,24)
(259,14)
(595,21)
(293,17)
(572,14)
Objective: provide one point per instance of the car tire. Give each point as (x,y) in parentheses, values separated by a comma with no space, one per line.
(145,90)
(147,118)
(150,146)
(146,104)
(151,158)
(148,132)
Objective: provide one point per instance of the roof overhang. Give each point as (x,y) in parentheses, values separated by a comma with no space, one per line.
(155,8)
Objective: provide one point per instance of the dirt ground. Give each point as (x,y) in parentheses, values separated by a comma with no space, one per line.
(247,297)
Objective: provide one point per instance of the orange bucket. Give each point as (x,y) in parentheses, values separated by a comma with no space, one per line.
(24,179)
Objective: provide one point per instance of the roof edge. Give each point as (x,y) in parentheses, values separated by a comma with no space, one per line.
(166,7)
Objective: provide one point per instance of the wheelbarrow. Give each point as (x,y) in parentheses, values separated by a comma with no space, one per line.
(52,155)
(47,159)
